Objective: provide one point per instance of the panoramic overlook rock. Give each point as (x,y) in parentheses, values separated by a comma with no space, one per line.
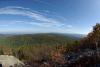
(10,61)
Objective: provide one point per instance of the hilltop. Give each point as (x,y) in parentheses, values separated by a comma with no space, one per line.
(41,38)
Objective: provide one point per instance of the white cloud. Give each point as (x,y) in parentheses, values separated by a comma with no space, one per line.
(69,26)
(14,22)
(41,19)
(4,25)
(27,12)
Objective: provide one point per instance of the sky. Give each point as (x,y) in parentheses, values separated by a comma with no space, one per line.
(47,16)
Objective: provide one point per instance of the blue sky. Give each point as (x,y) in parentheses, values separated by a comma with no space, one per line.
(44,16)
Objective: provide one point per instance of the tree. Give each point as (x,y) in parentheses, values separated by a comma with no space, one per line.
(92,41)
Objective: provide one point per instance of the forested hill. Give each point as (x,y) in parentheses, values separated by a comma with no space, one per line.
(44,38)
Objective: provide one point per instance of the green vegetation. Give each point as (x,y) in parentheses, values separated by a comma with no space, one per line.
(29,39)
(32,48)
(52,50)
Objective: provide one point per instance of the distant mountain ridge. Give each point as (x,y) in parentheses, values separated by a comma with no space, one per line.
(40,38)
(70,34)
